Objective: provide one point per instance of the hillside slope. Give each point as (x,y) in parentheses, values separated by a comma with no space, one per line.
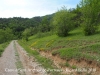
(73,52)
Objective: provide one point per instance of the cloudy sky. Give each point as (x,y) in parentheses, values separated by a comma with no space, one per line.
(31,8)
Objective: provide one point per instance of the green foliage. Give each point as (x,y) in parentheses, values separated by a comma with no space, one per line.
(5,35)
(73,67)
(26,33)
(63,21)
(90,10)
(89,29)
(45,24)
(2,47)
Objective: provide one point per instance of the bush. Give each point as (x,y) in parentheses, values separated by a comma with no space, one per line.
(63,20)
(89,29)
(1,50)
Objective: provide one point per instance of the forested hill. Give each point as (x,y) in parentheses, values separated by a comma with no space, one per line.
(17,25)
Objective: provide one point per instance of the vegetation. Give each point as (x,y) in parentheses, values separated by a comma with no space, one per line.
(2,47)
(76,46)
(41,59)
(90,10)
(63,33)
(64,22)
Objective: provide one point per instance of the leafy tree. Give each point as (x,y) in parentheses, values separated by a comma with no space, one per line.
(6,35)
(45,25)
(26,34)
(90,10)
(63,20)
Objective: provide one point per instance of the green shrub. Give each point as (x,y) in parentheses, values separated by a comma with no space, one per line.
(1,50)
(63,20)
(89,29)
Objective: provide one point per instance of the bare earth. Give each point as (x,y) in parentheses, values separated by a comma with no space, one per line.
(9,58)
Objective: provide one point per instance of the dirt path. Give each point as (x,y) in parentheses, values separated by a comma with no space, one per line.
(15,61)
(8,60)
(29,62)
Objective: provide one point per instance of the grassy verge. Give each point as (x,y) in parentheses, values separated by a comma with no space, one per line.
(90,52)
(46,63)
(2,47)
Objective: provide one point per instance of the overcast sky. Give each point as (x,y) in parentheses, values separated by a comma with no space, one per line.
(31,8)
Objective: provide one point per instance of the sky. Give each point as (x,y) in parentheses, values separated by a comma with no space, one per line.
(32,8)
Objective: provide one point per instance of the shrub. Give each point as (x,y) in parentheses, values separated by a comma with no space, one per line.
(89,29)
(63,20)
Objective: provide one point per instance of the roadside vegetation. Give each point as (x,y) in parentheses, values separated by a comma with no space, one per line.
(2,47)
(45,62)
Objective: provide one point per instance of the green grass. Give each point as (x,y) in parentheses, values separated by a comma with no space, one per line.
(73,67)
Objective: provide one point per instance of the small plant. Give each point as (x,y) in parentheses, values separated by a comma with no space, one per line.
(49,43)
(67,64)
(55,53)
(42,49)
(73,67)
(33,44)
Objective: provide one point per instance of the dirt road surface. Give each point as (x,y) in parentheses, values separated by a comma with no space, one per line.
(16,61)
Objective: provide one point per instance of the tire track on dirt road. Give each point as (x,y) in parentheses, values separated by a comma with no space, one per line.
(29,62)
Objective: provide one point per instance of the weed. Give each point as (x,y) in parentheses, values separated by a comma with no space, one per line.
(73,67)
(67,64)
(42,49)
(55,53)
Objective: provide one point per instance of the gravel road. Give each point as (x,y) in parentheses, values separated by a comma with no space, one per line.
(8,60)
(16,61)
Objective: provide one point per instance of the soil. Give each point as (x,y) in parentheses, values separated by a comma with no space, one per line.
(9,59)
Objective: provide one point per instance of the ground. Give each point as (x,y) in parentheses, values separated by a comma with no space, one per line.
(15,61)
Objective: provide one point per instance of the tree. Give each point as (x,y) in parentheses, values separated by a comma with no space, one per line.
(45,25)
(26,33)
(63,20)
(90,10)
(6,35)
